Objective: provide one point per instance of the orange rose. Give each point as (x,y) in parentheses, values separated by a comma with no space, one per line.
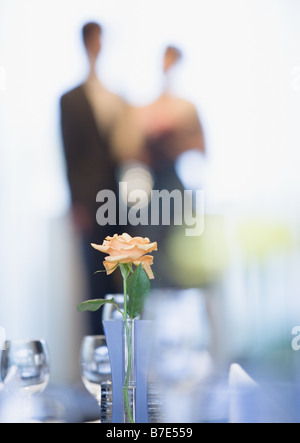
(126,249)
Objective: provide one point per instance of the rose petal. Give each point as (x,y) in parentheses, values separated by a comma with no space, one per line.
(146,267)
(148,248)
(100,248)
(148,270)
(110,267)
(126,237)
(117,259)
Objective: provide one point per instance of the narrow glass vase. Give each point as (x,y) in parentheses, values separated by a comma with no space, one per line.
(129,379)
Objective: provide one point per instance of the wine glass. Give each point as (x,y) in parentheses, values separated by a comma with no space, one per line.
(25,370)
(95,364)
(181,360)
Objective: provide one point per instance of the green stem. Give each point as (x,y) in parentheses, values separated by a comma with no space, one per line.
(125,274)
(125,388)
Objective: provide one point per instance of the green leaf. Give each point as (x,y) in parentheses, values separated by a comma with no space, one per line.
(138,291)
(95,305)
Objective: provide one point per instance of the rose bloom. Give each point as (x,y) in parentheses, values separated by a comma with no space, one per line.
(126,249)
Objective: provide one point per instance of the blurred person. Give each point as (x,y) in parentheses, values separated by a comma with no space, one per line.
(157,135)
(89,115)
(171,124)
(159,132)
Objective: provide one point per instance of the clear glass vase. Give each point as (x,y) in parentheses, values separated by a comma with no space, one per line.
(129,378)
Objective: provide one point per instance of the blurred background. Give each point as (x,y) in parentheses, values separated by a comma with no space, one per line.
(241,69)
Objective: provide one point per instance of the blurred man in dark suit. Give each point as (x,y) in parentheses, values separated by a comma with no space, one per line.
(89,115)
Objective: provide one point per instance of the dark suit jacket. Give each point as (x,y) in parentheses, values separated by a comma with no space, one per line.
(90,167)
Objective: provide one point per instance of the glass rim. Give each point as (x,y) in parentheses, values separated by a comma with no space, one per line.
(26,341)
(100,337)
